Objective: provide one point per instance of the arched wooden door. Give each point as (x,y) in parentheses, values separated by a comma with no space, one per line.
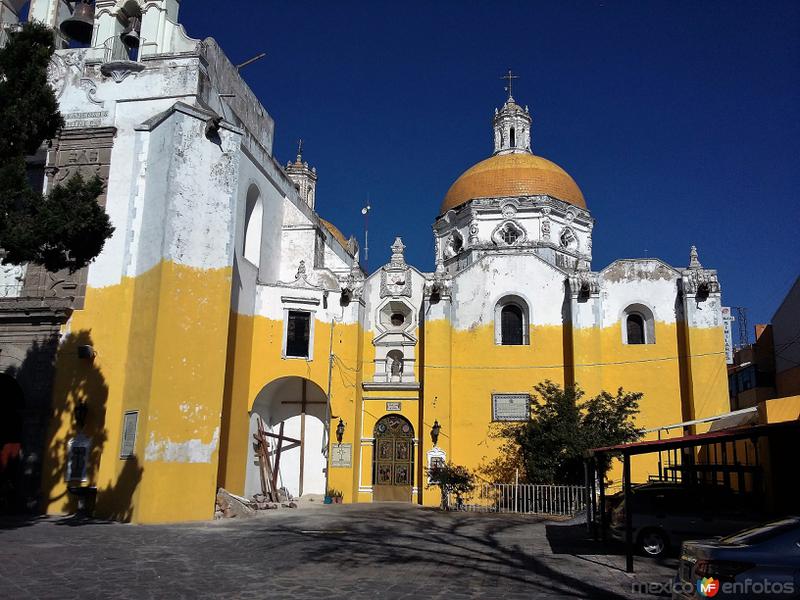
(393,460)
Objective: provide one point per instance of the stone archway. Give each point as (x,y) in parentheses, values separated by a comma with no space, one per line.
(393,460)
(11,421)
(299,406)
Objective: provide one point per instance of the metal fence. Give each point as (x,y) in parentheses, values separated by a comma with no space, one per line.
(524,498)
(115,50)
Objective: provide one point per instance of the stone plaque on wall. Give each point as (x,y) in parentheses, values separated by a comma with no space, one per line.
(129,423)
(511,407)
(393,406)
(342,455)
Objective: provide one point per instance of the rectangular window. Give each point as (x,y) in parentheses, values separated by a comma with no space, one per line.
(129,424)
(511,407)
(298,334)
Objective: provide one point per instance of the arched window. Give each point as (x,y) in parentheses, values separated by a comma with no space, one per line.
(638,325)
(511,322)
(253,215)
(635,324)
(513,138)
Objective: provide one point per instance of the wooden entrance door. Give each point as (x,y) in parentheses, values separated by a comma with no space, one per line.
(393,463)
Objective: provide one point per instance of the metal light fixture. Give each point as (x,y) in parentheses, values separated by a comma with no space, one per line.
(340,431)
(435,432)
(81,412)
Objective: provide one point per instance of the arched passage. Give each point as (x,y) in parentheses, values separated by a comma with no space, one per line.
(393,460)
(300,406)
(11,406)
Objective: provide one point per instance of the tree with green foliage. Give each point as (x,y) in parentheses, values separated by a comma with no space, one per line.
(66,228)
(451,480)
(550,447)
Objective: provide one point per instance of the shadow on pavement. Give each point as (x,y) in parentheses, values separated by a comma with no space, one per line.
(453,542)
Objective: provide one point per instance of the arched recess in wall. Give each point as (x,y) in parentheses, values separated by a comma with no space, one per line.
(297,407)
(253,217)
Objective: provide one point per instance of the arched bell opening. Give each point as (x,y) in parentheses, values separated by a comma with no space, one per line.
(393,460)
(292,412)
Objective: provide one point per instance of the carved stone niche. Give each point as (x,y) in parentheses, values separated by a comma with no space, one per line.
(84,151)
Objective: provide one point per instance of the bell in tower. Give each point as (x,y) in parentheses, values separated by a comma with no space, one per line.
(80,25)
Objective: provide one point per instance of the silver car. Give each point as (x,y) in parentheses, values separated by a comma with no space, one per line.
(760,562)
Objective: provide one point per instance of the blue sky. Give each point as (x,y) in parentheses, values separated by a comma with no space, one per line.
(678,119)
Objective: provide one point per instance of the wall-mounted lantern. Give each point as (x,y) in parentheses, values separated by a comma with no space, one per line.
(340,431)
(435,430)
(86,352)
(81,412)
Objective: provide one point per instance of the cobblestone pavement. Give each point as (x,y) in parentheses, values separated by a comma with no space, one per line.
(339,551)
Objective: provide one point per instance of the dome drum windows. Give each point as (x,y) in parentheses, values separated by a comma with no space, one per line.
(509,233)
(638,325)
(511,322)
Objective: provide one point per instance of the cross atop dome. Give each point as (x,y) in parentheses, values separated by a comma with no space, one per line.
(510,77)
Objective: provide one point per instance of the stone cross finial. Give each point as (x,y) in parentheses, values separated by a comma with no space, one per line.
(398,260)
(694,260)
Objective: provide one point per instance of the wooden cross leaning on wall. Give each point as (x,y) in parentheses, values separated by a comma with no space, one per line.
(268,469)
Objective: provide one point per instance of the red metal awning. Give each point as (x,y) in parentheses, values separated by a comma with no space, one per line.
(700,439)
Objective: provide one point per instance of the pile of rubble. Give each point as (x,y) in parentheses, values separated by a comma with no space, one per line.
(229,506)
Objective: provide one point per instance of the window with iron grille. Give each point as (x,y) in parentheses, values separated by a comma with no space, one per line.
(635,326)
(298,334)
(510,235)
(512,325)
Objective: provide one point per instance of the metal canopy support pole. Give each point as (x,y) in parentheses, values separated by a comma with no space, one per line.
(602,484)
(587,489)
(626,475)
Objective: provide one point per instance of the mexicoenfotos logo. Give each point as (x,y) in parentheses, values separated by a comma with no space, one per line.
(708,587)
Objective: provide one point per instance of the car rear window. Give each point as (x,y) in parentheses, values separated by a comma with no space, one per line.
(762,533)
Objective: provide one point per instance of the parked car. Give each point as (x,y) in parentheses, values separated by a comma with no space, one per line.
(666,514)
(760,562)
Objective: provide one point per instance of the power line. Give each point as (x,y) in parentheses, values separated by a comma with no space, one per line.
(554,366)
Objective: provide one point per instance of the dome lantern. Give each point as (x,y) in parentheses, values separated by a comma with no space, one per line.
(512,129)
(512,124)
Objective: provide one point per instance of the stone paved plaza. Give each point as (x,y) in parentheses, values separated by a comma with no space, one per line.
(341,551)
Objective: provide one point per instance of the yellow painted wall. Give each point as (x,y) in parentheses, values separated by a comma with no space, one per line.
(257,362)
(169,346)
(160,342)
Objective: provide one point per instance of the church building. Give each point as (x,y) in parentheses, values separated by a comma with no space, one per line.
(225,309)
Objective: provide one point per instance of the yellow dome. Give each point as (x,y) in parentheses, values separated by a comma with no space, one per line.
(335,232)
(517,174)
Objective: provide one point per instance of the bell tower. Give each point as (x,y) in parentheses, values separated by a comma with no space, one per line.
(304,178)
(512,124)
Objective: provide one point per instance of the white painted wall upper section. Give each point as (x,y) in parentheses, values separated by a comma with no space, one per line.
(477,289)
(649,282)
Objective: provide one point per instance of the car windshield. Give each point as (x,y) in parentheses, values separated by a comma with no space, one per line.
(762,533)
